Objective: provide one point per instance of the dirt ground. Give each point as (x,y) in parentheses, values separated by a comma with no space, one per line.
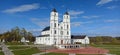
(82,50)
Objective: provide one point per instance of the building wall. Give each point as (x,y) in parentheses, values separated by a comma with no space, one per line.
(45,32)
(82,41)
(66,28)
(59,33)
(44,40)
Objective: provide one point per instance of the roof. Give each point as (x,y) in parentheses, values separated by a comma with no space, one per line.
(54,10)
(66,13)
(43,35)
(46,28)
(78,36)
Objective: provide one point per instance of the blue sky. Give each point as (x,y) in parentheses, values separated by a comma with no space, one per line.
(91,17)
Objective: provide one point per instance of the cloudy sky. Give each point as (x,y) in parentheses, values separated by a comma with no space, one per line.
(91,17)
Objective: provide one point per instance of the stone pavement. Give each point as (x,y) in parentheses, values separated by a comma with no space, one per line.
(5,50)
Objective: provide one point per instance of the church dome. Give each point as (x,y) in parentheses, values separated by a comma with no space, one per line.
(66,13)
(54,10)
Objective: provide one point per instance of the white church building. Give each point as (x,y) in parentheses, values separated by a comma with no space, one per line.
(58,33)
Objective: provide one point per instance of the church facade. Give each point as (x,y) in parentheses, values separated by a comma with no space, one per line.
(58,32)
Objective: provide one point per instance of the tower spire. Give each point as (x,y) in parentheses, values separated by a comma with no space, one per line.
(66,12)
(54,10)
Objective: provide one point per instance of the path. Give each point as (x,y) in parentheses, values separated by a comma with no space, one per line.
(40,53)
(5,50)
(87,50)
(43,48)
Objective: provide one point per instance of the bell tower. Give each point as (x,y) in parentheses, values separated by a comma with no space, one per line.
(66,25)
(54,26)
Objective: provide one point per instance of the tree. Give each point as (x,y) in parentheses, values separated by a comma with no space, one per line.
(15,35)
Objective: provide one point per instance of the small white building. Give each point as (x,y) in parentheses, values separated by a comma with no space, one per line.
(24,40)
(81,39)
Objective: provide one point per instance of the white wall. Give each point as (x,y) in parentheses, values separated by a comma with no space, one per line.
(83,41)
(45,32)
(44,40)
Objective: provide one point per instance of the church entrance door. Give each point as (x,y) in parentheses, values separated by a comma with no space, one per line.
(61,41)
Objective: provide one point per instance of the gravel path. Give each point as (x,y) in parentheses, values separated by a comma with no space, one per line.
(5,50)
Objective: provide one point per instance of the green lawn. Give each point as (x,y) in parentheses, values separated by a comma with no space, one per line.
(30,43)
(23,50)
(114,49)
(55,54)
(14,43)
(67,54)
(26,51)
(0,48)
(18,47)
(1,53)
(89,54)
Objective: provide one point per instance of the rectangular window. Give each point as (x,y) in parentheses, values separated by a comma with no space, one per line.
(67,26)
(55,31)
(67,17)
(67,33)
(55,24)
(61,32)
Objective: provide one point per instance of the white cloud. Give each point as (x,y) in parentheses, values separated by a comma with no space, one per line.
(89,17)
(87,22)
(22,8)
(35,30)
(2,30)
(111,21)
(41,23)
(76,24)
(75,14)
(101,2)
(111,7)
(63,6)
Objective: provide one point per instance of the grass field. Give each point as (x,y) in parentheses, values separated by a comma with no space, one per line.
(1,53)
(0,48)
(14,43)
(114,49)
(89,54)
(18,47)
(29,51)
(55,54)
(23,50)
(68,54)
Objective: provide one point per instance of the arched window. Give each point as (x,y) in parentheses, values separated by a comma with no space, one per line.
(67,17)
(55,31)
(61,27)
(55,24)
(67,33)
(67,26)
(55,14)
